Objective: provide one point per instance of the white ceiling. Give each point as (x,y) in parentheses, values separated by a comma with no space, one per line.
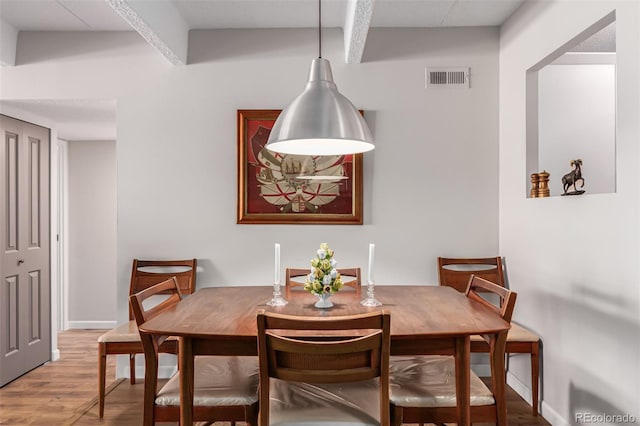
(602,41)
(75,119)
(53,15)
(168,22)
(98,15)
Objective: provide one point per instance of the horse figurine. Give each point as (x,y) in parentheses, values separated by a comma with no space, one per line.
(572,178)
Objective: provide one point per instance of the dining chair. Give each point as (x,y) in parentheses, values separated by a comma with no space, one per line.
(125,339)
(455,272)
(225,387)
(324,370)
(351,277)
(423,388)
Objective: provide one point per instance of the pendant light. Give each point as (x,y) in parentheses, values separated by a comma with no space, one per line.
(320,121)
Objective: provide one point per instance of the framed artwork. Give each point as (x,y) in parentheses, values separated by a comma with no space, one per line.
(293,189)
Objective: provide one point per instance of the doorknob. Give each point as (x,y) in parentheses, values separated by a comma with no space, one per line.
(20,262)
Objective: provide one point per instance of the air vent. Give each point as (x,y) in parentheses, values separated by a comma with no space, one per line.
(446,77)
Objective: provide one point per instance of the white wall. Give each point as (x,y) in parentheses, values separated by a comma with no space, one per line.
(435,156)
(92,234)
(573,260)
(577,119)
(430,186)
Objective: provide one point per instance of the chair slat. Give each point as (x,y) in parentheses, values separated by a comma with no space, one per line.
(333,358)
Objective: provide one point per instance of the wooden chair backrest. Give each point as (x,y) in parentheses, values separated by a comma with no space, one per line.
(146,273)
(351,277)
(151,342)
(504,308)
(324,357)
(141,314)
(455,272)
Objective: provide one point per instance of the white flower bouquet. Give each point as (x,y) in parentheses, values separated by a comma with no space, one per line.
(324,278)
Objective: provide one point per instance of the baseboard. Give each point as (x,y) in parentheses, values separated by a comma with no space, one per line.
(552,416)
(55,354)
(481,370)
(91,325)
(164,371)
(546,411)
(520,388)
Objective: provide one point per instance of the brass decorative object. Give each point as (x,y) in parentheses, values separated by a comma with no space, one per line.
(572,178)
(535,178)
(543,184)
(539,184)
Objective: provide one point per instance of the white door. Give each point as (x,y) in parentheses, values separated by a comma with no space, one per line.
(25,287)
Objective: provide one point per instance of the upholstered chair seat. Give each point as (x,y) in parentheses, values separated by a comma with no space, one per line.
(430,381)
(517,333)
(127,332)
(218,381)
(326,404)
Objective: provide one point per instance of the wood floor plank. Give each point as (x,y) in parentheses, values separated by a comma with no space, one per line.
(65,392)
(50,394)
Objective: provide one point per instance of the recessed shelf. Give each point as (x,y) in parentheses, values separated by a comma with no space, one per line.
(571,111)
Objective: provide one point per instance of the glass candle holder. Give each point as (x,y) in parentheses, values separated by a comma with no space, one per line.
(277,299)
(370,300)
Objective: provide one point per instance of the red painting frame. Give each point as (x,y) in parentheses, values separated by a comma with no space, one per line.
(265,196)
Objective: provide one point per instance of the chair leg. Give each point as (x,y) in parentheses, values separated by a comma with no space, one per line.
(251,414)
(102,372)
(535,376)
(132,368)
(395,413)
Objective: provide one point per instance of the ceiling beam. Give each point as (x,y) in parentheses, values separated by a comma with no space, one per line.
(8,44)
(356,28)
(159,23)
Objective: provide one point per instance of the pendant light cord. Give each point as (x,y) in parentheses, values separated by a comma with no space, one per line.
(319,28)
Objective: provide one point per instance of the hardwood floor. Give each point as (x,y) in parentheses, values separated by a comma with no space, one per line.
(52,393)
(65,392)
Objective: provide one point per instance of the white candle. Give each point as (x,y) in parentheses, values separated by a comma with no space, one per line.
(372,249)
(277,267)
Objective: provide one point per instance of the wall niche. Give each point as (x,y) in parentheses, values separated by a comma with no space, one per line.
(571,111)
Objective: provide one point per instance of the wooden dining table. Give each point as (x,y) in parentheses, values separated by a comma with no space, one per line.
(424,320)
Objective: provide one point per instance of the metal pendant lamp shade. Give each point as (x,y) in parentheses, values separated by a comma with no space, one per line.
(320,121)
